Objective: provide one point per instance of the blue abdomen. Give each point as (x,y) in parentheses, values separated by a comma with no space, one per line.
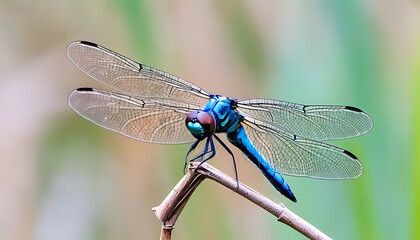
(241,141)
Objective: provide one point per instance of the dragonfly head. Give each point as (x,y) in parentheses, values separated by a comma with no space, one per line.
(200,124)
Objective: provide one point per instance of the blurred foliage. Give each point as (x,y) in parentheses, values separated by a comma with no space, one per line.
(244,38)
(85,182)
(416,143)
(67,137)
(139,21)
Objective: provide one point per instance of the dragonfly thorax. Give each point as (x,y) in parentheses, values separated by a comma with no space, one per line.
(223,111)
(200,124)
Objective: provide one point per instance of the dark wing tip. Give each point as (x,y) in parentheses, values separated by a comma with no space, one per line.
(89,43)
(355,109)
(84,89)
(77,44)
(350,154)
(367,121)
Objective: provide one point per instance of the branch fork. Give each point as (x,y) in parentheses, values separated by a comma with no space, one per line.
(171,207)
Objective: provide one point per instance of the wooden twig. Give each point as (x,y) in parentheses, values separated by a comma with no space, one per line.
(170,209)
(166,233)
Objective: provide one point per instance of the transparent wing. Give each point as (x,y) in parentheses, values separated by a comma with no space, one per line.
(132,78)
(318,122)
(293,155)
(151,120)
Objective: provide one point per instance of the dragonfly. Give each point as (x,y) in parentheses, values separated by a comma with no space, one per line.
(277,137)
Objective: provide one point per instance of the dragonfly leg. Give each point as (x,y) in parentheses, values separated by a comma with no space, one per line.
(212,149)
(206,150)
(233,157)
(186,156)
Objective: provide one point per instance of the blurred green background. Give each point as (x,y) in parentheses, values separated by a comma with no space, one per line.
(62,177)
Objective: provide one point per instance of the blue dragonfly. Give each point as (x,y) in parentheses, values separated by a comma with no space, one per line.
(277,137)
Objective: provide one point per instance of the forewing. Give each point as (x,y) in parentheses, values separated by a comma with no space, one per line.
(132,78)
(149,120)
(293,155)
(317,122)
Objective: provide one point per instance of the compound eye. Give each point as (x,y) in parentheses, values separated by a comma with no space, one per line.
(207,121)
(200,124)
(192,116)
